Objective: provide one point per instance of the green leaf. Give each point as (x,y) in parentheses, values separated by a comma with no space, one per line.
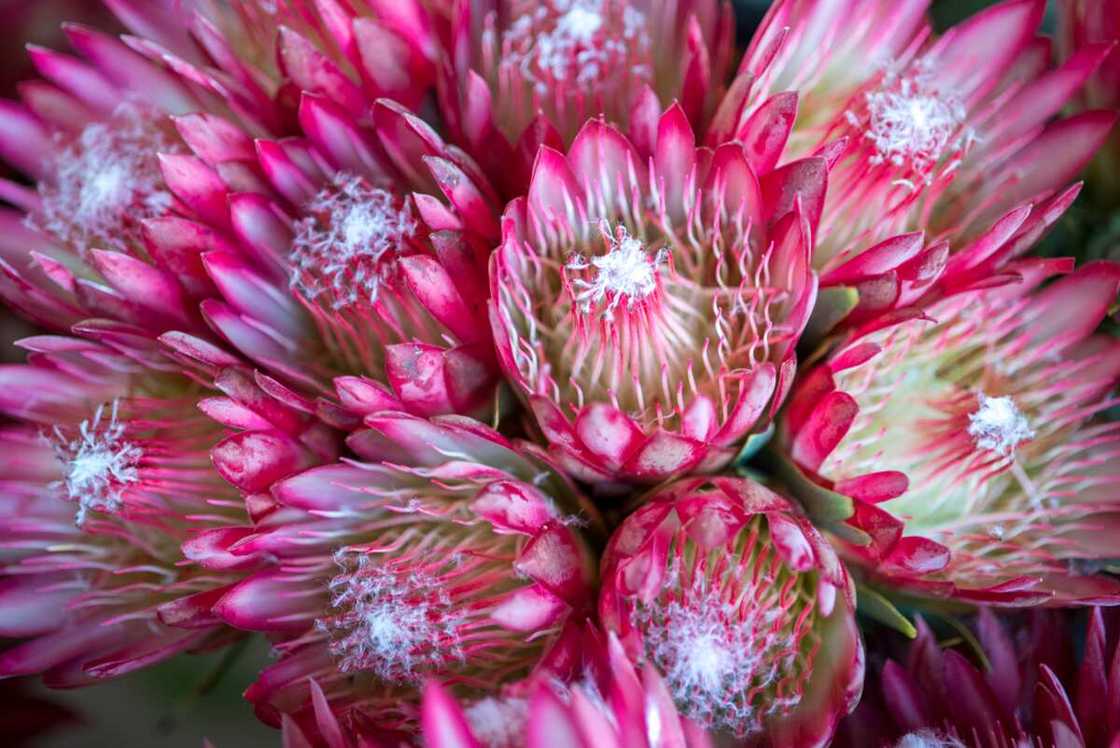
(833,305)
(824,507)
(753,445)
(878,608)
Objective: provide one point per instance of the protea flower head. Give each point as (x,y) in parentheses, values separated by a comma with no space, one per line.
(1022,686)
(945,135)
(360,255)
(611,705)
(959,454)
(106,474)
(743,607)
(450,554)
(646,299)
(524,74)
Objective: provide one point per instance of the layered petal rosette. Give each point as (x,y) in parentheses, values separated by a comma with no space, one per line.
(646,304)
(362,256)
(449,554)
(106,474)
(1023,683)
(960,454)
(102,235)
(743,607)
(611,706)
(524,74)
(945,135)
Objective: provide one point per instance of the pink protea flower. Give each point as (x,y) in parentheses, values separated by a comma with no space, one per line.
(102,235)
(943,135)
(611,706)
(1028,689)
(358,264)
(450,554)
(958,454)
(743,607)
(524,74)
(646,300)
(106,474)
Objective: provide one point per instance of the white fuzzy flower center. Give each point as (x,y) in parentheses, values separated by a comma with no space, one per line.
(910,123)
(100,463)
(106,182)
(572,41)
(998,425)
(627,272)
(498,723)
(397,627)
(346,247)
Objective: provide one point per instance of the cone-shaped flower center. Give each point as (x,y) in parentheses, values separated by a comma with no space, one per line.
(106,182)
(998,425)
(345,249)
(99,463)
(733,636)
(910,124)
(396,626)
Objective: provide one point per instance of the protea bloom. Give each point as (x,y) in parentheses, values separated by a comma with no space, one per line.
(106,474)
(744,608)
(959,455)
(610,706)
(361,255)
(944,135)
(450,554)
(524,74)
(1027,689)
(646,300)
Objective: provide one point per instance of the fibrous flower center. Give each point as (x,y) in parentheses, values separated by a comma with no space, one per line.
(397,626)
(998,425)
(910,123)
(627,272)
(574,41)
(346,247)
(99,464)
(106,182)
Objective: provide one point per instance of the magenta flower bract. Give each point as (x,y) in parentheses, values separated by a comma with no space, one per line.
(1029,689)
(646,300)
(451,553)
(966,443)
(744,608)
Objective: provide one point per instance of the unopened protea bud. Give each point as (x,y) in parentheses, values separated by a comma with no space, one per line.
(741,605)
(648,315)
(963,447)
(451,554)
(527,73)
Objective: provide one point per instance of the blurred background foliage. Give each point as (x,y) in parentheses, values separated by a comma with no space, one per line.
(179,703)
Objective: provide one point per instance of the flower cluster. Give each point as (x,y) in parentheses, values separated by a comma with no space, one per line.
(554,372)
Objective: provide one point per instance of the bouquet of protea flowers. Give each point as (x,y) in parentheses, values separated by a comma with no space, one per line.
(565,372)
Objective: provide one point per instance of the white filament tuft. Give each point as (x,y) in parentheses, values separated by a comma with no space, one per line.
(100,463)
(911,123)
(106,181)
(498,722)
(710,657)
(626,272)
(344,249)
(568,40)
(928,739)
(998,425)
(395,626)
